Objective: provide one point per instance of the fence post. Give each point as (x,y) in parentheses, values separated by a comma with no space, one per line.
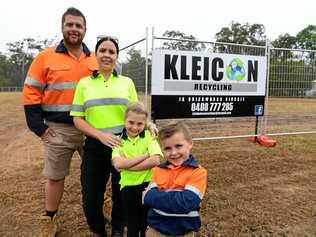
(146,72)
(267,54)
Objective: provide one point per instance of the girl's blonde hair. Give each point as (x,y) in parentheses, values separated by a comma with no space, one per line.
(136,107)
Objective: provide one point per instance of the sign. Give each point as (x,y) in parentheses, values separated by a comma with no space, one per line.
(189,84)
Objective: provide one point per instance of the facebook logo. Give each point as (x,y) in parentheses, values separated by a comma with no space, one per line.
(258,110)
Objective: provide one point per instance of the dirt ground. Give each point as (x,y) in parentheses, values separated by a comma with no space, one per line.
(252,190)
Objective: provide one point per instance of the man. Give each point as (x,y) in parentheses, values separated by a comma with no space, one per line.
(48,95)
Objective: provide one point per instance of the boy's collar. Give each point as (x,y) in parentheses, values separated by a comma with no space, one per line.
(190,162)
(125,137)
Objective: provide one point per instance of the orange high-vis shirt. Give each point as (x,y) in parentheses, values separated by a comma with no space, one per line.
(52,77)
(50,85)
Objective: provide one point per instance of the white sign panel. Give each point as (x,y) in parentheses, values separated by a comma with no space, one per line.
(203,73)
(189,84)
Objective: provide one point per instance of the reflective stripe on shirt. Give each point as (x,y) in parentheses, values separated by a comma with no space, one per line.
(61,86)
(105,101)
(77,108)
(56,108)
(114,130)
(194,190)
(35,83)
(190,214)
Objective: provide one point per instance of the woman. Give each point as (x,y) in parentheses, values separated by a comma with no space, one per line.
(98,109)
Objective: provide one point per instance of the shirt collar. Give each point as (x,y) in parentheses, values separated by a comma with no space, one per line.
(191,162)
(61,48)
(125,137)
(97,75)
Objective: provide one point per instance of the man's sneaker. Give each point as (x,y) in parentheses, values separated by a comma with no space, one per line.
(49,226)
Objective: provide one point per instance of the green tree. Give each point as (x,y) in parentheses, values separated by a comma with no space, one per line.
(21,54)
(250,34)
(306,38)
(6,71)
(236,33)
(285,41)
(185,42)
(135,67)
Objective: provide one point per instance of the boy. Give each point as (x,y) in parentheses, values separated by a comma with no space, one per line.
(177,187)
(134,159)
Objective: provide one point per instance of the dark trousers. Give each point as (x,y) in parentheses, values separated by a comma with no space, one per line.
(135,211)
(96,168)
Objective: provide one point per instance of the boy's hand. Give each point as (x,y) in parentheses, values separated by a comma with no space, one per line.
(144,193)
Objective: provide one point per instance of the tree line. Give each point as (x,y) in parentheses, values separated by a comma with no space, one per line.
(14,64)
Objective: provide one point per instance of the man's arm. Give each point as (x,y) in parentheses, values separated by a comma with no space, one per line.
(35,119)
(34,86)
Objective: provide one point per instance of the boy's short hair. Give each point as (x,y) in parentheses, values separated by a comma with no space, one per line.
(173,128)
(74,12)
(136,107)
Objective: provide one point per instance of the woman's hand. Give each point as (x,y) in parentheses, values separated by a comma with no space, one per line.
(109,139)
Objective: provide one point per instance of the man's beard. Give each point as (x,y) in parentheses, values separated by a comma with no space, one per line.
(70,42)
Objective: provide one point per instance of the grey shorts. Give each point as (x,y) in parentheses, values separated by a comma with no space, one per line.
(59,149)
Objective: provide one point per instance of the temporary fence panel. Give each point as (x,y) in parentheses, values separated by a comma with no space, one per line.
(290,105)
(292,97)
(10,89)
(133,62)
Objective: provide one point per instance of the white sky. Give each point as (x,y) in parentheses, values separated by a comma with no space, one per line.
(128,19)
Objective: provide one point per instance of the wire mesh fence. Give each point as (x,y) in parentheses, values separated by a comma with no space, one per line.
(290,100)
(10,89)
(292,73)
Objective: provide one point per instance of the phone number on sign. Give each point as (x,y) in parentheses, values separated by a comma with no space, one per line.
(212,107)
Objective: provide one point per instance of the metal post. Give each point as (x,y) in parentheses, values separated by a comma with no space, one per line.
(152,51)
(152,39)
(256,129)
(23,69)
(265,118)
(146,72)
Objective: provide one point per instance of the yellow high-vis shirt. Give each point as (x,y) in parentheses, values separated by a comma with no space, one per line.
(103,103)
(143,144)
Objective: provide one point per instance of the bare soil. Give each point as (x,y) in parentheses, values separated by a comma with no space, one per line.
(252,190)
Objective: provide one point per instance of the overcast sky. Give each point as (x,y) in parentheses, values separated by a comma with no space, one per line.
(128,19)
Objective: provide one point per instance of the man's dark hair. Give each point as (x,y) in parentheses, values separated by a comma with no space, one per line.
(74,12)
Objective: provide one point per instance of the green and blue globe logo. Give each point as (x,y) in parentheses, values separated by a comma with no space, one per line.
(235,71)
